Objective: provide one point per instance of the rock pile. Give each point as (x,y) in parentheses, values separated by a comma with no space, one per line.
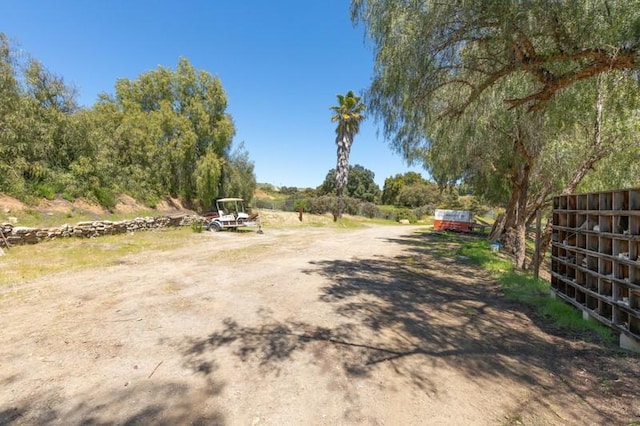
(18,235)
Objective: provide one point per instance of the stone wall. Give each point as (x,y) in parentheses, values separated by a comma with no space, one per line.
(18,235)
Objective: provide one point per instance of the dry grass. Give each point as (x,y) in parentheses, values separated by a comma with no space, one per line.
(23,263)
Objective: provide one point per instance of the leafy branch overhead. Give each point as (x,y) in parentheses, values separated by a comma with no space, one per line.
(517,99)
(473,45)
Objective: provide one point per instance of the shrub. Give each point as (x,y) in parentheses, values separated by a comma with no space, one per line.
(197,226)
(322,204)
(105,197)
(301,204)
(406,214)
(368,210)
(45,190)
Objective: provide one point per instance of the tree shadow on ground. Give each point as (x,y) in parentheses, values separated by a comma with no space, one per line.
(143,403)
(540,354)
(428,305)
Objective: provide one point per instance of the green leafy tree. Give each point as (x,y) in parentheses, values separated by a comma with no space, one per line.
(422,47)
(394,185)
(239,179)
(480,91)
(208,177)
(419,194)
(349,115)
(164,133)
(34,121)
(361,184)
(174,125)
(49,89)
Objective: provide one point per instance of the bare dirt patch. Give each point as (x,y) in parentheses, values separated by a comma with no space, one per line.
(297,326)
(10,205)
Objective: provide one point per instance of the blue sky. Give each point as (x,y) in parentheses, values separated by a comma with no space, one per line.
(281,62)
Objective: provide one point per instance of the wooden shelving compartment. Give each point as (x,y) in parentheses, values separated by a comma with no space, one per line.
(595,260)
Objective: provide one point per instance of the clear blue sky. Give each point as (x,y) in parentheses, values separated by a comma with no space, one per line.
(281,62)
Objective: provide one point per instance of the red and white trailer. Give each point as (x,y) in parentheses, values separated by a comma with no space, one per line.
(453,220)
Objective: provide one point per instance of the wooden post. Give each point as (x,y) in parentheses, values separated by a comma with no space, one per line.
(6,243)
(536,256)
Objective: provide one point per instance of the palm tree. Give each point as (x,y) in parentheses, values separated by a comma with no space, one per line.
(348,114)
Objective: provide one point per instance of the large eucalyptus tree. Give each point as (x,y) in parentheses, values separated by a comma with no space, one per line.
(349,115)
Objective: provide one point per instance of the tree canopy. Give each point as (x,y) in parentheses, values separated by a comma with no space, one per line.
(165,133)
(423,47)
(361,185)
(516,99)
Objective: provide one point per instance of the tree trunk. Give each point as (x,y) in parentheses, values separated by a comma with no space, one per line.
(337,212)
(521,220)
(497,229)
(515,223)
(342,172)
(597,154)
(507,220)
(514,235)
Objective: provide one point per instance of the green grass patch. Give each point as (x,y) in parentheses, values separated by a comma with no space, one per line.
(479,253)
(28,262)
(348,223)
(524,288)
(356,222)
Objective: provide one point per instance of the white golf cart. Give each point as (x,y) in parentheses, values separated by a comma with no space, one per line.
(230,214)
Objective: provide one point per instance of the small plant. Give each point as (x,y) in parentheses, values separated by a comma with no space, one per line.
(197,226)
(406,214)
(513,419)
(105,197)
(45,191)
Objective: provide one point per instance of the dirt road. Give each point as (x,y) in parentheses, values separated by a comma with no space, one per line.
(316,326)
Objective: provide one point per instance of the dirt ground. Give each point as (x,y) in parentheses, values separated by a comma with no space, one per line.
(307,326)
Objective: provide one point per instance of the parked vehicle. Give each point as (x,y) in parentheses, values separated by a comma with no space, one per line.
(453,220)
(458,220)
(230,214)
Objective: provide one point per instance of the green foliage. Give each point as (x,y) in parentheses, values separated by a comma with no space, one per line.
(467,48)
(105,197)
(394,185)
(301,204)
(207,174)
(45,190)
(197,226)
(368,210)
(456,89)
(267,203)
(238,176)
(267,188)
(361,184)
(417,195)
(288,190)
(322,204)
(163,133)
(410,190)
(406,214)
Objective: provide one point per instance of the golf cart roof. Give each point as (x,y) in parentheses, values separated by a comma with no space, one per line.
(224,200)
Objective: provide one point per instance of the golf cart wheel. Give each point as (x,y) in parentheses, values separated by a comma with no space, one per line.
(214,227)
